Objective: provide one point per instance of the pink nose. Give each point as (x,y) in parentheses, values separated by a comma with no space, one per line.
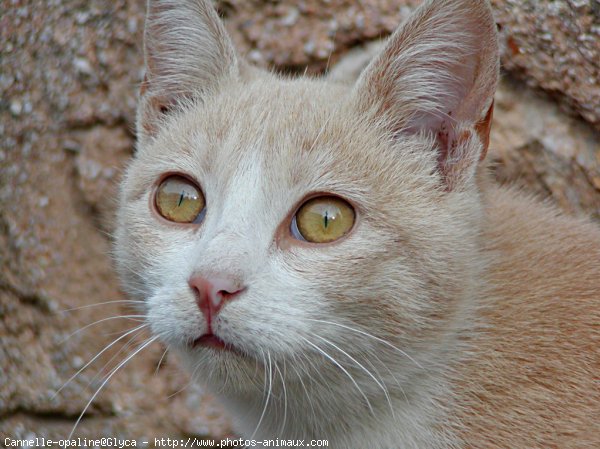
(212,293)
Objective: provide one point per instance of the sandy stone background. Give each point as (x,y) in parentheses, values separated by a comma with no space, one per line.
(69,73)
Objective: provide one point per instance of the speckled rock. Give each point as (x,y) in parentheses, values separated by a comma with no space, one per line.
(291,35)
(536,145)
(69,71)
(555,46)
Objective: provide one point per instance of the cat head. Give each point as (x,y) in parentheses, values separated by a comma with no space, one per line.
(266,219)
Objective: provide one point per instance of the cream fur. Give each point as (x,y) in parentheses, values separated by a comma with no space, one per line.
(456,314)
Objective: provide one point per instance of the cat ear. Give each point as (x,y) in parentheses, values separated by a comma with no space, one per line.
(437,75)
(187,52)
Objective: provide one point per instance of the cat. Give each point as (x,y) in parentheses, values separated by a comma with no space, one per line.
(334,262)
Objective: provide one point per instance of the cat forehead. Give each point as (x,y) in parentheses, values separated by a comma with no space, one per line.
(292,123)
(275,110)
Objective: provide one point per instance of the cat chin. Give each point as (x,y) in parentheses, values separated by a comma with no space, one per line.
(222,371)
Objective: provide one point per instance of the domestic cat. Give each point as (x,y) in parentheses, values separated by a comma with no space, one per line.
(333,260)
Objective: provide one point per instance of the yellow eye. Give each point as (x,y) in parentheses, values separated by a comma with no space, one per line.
(323,219)
(179,200)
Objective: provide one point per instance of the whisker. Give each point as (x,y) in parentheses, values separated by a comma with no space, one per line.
(227,376)
(114,371)
(106,348)
(124,348)
(396,381)
(310,403)
(110,334)
(336,363)
(270,372)
(264,411)
(188,383)
(282,429)
(314,144)
(127,317)
(309,368)
(158,365)
(331,51)
(366,334)
(127,301)
(382,386)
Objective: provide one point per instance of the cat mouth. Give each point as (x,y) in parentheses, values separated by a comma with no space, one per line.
(213,341)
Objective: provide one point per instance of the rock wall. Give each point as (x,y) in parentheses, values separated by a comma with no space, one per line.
(69,72)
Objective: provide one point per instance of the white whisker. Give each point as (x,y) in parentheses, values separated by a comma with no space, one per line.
(331,51)
(396,381)
(366,334)
(314,144)
(106,348)
(345,371)
(187,384)
(113,372)
(381,385)
(124,348)
(138,318)
(158,365)
(264,411)
(123,301)
(310,403)
(282,429)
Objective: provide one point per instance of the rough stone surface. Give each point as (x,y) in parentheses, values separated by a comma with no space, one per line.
(293,34)
(556,46)
(534,144)
(69,71)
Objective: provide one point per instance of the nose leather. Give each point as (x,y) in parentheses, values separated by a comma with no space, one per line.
(212,293)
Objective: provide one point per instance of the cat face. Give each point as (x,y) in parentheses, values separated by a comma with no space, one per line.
(256,167)
(385,292)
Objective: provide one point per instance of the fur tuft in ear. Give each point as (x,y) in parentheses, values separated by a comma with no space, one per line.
(187,52)
(437,75)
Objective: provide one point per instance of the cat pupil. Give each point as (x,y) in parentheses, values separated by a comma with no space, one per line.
(180,198)
(326,219)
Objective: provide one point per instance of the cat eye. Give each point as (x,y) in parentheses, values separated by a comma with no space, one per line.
(180,200)
(323,220)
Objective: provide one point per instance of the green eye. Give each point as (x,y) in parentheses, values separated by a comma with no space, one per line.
(323,219)
(178,199)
